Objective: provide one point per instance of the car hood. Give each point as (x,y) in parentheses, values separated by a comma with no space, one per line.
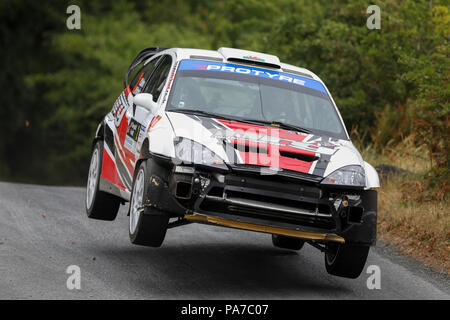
(243,144)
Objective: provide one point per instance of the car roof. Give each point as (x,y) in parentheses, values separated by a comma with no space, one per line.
(235,56)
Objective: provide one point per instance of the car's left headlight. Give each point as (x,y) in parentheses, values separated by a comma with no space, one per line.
(347,176)
(189,151)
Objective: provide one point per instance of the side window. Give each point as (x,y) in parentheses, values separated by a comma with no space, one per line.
(131,80)
(142,76)
(158,79)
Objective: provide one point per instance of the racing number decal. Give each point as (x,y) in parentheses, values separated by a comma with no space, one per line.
(118,115)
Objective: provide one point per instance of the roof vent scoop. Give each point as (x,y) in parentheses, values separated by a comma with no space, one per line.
(250,57)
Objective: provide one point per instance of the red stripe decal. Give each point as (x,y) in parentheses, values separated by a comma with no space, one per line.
(109,171)
(140,77)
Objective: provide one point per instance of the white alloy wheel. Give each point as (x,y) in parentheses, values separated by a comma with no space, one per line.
(137,203)
(94,169)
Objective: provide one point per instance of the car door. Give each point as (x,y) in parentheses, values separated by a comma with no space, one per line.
(151,79)
(142,117)
(135,116)
(122,149)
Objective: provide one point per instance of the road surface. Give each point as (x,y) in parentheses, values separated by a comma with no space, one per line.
(43,230)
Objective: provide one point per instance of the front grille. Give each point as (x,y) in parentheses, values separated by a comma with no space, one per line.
(273,206)
(266,214)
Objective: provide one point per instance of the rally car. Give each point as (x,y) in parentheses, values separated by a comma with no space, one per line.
(237,139)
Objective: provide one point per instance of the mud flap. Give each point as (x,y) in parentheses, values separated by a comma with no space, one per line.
(160,198)
(366,232)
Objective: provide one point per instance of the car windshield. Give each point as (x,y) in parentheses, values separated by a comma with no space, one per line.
(260,95)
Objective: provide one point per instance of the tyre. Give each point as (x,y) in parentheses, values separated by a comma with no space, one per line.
(99,205)
(148,225)
(287,242)
(346,260)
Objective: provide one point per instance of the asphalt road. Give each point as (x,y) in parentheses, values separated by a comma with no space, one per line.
(43,230)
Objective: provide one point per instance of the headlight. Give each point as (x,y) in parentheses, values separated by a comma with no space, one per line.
(347,176)
(188,151)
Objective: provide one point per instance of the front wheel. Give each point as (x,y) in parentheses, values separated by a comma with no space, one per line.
(346,260)
(148,225)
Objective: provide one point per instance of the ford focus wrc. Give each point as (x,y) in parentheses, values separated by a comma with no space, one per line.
(237,139)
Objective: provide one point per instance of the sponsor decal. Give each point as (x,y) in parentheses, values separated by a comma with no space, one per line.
(154,122)
(200,66)
(169,85)
(134,129)
(254,58)
(134,134)
(257,72)
(172,75)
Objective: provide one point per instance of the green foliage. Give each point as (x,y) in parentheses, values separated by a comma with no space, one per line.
(94,62)
(388,83)
(429,72)
(393,125)
(360,66)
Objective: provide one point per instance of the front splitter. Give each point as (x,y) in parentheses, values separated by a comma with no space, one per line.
(261,228)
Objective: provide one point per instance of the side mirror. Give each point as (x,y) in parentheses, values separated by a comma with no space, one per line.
(145,100)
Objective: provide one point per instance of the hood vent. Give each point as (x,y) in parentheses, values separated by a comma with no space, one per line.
(299,156)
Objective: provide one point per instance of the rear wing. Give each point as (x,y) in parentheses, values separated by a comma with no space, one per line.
(142,56)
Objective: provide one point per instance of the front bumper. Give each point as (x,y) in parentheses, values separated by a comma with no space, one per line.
(270,203)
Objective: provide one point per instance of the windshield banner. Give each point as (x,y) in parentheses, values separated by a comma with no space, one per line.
(199,65)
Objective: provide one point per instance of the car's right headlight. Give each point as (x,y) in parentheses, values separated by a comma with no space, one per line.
(346,176)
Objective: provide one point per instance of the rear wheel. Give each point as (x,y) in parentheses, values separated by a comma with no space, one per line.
(148,225)
(99,205)
(346,260)
(287,242)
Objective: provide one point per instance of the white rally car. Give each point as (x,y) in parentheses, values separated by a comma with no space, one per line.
(238,139)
